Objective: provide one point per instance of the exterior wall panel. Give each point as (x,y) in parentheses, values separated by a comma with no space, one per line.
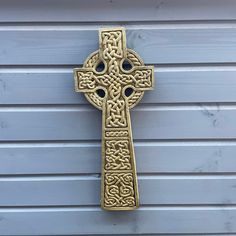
(184,130)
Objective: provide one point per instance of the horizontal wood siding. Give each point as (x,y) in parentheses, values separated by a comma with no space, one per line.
(214,84)
(70,45)
(67,157)
(84,123)
(184,130)
(107,10)
(154,190)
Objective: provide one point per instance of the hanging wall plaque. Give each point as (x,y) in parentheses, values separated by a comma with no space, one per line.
(114,79)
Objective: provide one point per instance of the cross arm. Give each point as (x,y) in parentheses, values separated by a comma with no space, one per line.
(112,44)
(141,77)
(85,79)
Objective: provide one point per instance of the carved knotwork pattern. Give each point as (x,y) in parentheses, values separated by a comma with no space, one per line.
(117,155)
(119,190)
(112,46)
(97,101)
(87,80)
(116,114)
(118,172)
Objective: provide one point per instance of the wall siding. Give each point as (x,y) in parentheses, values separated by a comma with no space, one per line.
(184,130)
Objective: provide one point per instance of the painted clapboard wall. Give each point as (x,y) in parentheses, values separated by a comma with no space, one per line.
(184,130)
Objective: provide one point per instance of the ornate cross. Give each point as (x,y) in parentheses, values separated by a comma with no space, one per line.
(114,79)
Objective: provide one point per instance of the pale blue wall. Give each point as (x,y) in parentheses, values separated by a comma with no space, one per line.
(184,130)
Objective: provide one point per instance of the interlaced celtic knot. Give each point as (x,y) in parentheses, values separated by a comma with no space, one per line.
(115,89)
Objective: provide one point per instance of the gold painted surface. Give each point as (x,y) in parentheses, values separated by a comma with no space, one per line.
(115,90)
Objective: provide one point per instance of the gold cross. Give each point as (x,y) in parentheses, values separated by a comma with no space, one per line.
(114,79)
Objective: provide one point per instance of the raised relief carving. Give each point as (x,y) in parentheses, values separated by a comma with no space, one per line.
(114,79)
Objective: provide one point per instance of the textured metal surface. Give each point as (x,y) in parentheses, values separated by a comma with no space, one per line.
(115,90)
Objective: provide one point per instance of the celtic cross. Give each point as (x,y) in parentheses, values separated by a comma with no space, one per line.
(114,79)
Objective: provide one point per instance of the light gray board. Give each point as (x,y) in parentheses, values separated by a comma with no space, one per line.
(69,158)
(61,46)
(208,234)
(115,10)
(85,190)
(151,122)
(171,86)
(148,220)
